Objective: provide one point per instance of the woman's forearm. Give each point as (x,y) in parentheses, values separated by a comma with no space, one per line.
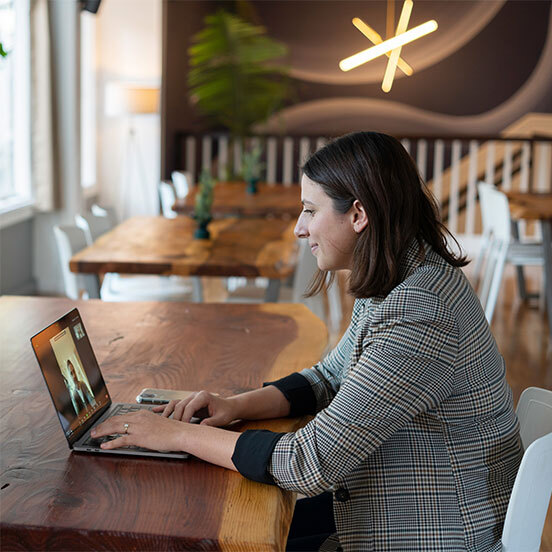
(212,444)
(260,404)
(216,445)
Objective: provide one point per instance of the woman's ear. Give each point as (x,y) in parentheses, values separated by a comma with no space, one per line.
(360,218)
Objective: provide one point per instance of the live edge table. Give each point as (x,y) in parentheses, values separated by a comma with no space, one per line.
(52,499)
(158,245)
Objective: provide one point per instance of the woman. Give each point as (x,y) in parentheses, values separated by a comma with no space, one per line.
(415,434)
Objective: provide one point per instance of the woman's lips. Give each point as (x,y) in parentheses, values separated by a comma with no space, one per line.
(314,247)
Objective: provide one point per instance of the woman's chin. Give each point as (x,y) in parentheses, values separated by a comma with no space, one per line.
(322,265)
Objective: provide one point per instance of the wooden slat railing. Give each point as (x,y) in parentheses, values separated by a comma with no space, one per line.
(451,166)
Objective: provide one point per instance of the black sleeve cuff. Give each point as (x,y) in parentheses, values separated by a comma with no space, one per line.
(298,391)
(252,454)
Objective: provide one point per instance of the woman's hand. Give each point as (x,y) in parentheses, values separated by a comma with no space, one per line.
(142,429)
(214,410)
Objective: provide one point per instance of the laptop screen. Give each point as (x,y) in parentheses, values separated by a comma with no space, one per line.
(71,373)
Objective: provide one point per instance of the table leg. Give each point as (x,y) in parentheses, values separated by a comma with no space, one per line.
(91,282)
(272,291)
(546,226)
(519,269)
(197,289)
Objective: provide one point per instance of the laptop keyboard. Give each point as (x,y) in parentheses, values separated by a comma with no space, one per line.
(117,411)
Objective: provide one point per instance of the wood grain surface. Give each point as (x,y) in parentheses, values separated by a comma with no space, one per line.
(54,499)
(231,198)
(530,205)
(157,245)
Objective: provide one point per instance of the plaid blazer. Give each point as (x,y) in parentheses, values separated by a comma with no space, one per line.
(415,431)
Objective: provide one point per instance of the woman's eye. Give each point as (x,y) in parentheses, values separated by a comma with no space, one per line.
(308,211)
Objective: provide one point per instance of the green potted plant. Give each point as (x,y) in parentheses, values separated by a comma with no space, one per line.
(252,167)
(203,204)
(234,79)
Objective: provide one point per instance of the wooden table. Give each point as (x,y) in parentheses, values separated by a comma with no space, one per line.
(231,198)
(537,206)
(52,499)
(157,245)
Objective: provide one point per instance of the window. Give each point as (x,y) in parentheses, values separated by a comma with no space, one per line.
(88,102)
(15,182)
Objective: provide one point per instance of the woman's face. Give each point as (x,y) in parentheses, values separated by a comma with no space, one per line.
(332,235)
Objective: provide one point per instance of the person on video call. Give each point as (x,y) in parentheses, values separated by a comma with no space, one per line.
(79,391)
(414,444)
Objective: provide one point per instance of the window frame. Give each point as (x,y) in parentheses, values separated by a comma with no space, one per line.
(18,206)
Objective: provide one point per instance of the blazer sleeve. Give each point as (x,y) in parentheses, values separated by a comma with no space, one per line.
(405,367)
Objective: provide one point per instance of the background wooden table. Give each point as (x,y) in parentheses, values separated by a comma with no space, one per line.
(54,499)
(157,245)
(231,198)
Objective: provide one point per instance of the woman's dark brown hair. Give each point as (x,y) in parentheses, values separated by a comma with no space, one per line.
(375,169)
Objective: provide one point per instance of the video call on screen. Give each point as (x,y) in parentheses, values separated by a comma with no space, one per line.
(71,371)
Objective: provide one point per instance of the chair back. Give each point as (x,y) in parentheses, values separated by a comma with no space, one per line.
(182,182)
(495,211)
(534,412)
(93,226)
(494,204)
(167,197)
(109,212)
(530,498)
(70,240)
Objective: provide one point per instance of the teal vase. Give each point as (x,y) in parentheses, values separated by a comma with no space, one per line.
(252,185)
(202,232)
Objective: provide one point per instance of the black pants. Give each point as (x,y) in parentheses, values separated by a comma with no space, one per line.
(312,523)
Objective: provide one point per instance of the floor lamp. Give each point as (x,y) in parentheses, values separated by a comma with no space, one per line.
(130,101)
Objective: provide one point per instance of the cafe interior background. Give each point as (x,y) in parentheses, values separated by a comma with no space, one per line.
(485,72)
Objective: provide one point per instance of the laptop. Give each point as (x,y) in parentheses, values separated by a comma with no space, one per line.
(78,389)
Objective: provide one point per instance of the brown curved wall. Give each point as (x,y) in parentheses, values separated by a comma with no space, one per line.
(481,75)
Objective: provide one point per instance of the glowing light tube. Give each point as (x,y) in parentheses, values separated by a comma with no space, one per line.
(375,38)
(395,54)
(400,40)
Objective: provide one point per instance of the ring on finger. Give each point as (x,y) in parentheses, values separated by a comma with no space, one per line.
(125,426)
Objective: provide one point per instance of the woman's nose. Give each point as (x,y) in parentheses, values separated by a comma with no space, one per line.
(301,229)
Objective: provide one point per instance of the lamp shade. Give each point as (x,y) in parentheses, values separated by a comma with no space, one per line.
(130,99)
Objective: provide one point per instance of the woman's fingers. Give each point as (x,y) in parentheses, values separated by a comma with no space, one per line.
(122,441)
(169,408)
(180,406)
(200,402)
(111,426)
(143,429)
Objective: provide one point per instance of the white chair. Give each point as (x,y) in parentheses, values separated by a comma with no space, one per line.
(182,182)
(532,489)
(109,212)
(72,239)
(534,412)
(501,248)
(167,197)
(487,217)
(93,225)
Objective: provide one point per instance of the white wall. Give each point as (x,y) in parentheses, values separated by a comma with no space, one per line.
(128,42)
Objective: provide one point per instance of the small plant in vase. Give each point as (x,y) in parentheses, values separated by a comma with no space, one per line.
(252,167)
(203,203)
